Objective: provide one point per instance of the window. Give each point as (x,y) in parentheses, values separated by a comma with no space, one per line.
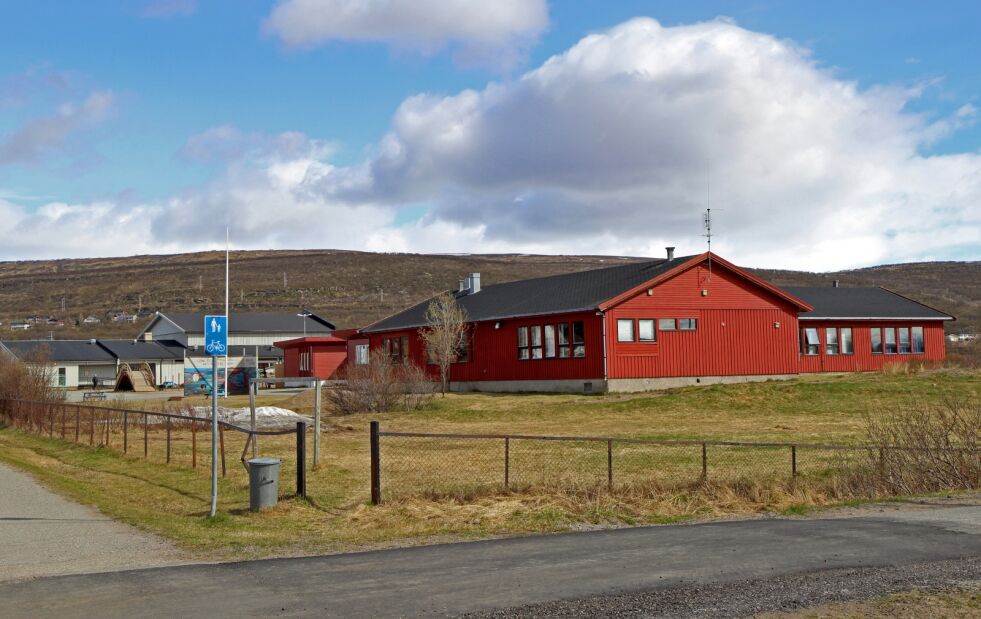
(395,351)
(549,341)
(536,342)
(463,349)
(405,347)
(564,350)
(876,334)
(523,343)
(645,331)
(810,344)
(890,341)
(361,354)
(666,324)
(847,345)
(578,339)
(918,342)
(62,377)
(904,344)
(831,341)
(625,330)
(686,324)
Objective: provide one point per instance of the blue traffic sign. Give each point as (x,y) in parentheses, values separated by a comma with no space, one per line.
(216,335)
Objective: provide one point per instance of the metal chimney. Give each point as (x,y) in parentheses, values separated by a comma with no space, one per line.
(474,283)
(463,285)
(670,251)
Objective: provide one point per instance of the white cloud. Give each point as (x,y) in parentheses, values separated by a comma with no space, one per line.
(484,31)
(48,134)
(604,149)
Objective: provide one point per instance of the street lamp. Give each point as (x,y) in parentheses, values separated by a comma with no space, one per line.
(304,314)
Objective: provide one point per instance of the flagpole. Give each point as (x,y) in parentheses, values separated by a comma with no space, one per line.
(225,387)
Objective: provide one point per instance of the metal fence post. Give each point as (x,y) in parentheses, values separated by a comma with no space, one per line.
(194,444)
(78,422)
(793,462)
(301,459)
(507,463)
(705,468)
(64,421)
(375,464)
(609,465)
(125,431)
(318,385)
(91,427)
(168,438)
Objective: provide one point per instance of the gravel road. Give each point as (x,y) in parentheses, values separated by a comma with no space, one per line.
(42,534)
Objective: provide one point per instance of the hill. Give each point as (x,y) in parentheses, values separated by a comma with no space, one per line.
(356,288)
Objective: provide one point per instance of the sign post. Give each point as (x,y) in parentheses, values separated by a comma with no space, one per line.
(215,345)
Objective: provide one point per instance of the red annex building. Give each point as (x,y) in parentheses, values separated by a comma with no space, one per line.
(318,356)
(663,323)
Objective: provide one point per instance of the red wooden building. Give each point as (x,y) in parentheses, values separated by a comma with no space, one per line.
(321,356)
(670,322)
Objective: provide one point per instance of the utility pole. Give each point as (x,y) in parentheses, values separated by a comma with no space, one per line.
(200,283)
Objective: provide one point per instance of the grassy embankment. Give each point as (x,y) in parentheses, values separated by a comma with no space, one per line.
(172,499)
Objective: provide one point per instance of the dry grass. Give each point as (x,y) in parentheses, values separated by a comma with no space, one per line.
(956,603)
(172,500)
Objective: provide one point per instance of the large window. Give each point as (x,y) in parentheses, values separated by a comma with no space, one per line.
(549,341)
(536,342)
(625,330)
(562,340)
(919,345)
(890,340)
(810,344)
(563,336)
(666,324)
(876,335)
(578,339)
(847,344)
(904,343)
(645,330)
(831,341)
(523,351)
(686,324)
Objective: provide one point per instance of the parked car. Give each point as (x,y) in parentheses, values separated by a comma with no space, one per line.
(168,384)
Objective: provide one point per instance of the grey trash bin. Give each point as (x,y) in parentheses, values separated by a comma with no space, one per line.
(263,483)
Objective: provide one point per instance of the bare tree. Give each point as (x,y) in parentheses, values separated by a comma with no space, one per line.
(445,334)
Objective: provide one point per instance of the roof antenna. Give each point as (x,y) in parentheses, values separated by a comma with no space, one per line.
(707,224)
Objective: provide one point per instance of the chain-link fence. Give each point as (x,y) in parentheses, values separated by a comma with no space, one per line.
(434,465)
(168,438)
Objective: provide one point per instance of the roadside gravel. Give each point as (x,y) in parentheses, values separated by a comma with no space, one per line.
(747,598)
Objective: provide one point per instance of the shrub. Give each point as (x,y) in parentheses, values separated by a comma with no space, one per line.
(26,380)
(380,386)
(922,449)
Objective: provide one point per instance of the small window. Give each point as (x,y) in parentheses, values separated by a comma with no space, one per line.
(563,336)
(549,341)
(904,343)
(645,330)
(847,345)
(625,330)
(831,341)
(523,352)
(536,342)
(463,349)
(578,339)
(361,354)
(876,335)
(811,342)
(919,345)
(666,324)
(396,349)
(686,324)
(890,341)
(405,348)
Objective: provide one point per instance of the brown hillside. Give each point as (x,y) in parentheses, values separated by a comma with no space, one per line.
(356,288)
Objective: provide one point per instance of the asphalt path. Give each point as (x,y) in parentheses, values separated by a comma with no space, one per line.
(42,534)
(478,577)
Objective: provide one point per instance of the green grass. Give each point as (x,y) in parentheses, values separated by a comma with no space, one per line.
(453,490)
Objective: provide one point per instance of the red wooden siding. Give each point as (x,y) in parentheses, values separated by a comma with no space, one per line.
(863,359)
(326,357)
(736,332)
(494,352)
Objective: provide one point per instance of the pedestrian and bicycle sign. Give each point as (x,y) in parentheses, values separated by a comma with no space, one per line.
(216,335)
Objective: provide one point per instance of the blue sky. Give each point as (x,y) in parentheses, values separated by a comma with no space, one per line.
(170,70)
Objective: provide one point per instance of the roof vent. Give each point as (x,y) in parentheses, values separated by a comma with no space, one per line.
(92,341)
(834,284)
(670,251)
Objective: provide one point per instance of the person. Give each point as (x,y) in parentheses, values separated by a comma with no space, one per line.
(95,382)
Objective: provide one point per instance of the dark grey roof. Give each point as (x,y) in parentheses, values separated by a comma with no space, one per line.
(556,294)
(60,350)
(129,350)
(254,322)
(861,303)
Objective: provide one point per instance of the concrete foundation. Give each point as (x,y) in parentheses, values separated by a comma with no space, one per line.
(613,385)
(632,385)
